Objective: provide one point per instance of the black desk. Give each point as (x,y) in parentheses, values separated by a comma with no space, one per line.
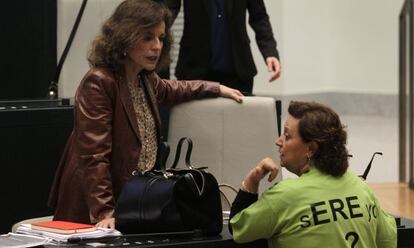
(224,240)
(405,240)
(405,233)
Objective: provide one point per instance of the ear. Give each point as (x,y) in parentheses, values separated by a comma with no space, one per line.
(313,147)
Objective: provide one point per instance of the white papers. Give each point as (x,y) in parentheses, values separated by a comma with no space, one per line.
(57,237)
(14,240)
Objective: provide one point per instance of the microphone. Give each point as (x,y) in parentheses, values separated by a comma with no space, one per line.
(364,176)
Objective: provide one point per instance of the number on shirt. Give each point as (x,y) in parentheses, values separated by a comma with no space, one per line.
(355,238)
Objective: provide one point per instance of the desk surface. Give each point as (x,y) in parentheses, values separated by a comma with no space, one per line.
(395,198)
(405,240)
(224,240)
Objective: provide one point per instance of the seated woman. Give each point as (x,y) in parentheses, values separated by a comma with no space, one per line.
(327,206)
(116,113)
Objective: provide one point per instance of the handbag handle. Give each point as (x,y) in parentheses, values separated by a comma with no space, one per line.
(160,162)
(187,154)
(196,188)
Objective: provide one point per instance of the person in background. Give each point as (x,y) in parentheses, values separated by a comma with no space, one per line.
(215,44)
(327,206)
(116,117)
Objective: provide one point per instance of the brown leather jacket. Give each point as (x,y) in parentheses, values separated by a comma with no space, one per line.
(105,144)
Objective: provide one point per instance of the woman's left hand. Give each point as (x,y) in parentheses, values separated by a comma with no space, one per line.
(231,93)
(106,223)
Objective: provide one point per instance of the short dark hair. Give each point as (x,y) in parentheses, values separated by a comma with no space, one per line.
(320,124)
(121,31)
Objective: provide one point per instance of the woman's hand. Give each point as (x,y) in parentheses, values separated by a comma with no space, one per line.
(253,178)
(106,223)
(231,93)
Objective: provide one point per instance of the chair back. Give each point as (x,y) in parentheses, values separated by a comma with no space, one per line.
(229,138)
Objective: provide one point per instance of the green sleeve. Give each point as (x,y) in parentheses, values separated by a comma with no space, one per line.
(386,231)
(258,221)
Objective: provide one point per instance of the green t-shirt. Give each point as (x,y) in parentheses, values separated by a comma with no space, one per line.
(317,210)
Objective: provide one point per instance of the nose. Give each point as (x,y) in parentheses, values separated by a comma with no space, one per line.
(157,45)
(279,141)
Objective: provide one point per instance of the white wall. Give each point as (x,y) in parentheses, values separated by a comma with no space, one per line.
(325,45)
(333,45)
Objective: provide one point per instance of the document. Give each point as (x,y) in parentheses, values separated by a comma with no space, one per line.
(58,237)
(14,240)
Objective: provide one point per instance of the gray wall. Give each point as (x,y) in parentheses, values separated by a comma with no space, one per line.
(333,46)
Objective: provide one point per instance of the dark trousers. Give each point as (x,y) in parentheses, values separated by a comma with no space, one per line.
(231,80)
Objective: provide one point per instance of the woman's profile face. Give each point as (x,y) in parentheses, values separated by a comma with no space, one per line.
(147,50)
(293,151)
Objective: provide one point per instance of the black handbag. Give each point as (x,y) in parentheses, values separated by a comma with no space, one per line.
(171,200)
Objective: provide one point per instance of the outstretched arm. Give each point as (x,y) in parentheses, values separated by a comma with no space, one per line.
(231,93)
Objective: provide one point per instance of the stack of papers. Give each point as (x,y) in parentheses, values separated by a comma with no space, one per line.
(58,237)
(14,240)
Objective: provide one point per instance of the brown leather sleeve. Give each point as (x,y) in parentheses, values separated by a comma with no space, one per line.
(93,118)
(171,92)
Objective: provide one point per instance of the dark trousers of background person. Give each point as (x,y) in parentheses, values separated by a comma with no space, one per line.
(231,80)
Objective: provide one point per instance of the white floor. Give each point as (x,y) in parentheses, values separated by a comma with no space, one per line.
(368,134)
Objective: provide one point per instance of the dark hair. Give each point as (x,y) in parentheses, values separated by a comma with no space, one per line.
(124,28)
(321,125)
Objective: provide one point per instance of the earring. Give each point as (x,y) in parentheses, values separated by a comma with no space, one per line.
(125,54)
(309,159)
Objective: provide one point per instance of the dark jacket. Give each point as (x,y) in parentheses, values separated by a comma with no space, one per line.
(195,51)
(105,144)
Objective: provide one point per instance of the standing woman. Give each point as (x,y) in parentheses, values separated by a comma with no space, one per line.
(326,206)
(116,117)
